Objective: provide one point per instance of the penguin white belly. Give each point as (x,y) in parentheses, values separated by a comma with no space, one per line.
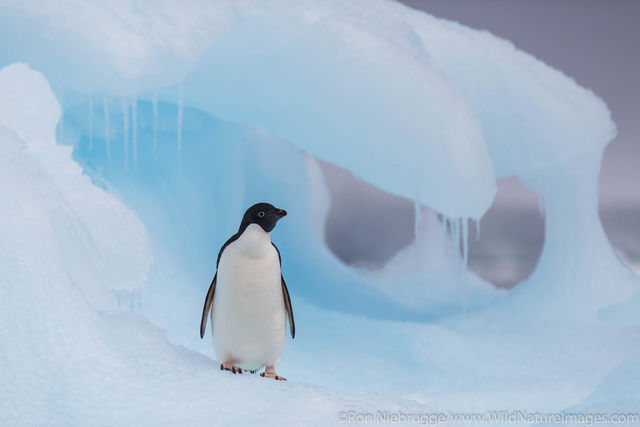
(248,316)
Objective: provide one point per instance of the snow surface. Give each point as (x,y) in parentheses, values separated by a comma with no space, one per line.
(93,332)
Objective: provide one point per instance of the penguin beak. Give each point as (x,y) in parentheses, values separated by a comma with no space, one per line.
(281,213)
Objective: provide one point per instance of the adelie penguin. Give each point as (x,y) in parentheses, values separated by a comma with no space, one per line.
(248,297)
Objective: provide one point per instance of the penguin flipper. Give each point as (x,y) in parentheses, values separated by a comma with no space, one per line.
(208,301)
(288,308)
(287,299)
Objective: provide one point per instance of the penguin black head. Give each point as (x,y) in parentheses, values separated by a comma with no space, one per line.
(263,214)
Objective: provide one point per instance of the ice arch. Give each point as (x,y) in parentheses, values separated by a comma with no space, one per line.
(190,211)
(435,106)
(313,73)
(541,126)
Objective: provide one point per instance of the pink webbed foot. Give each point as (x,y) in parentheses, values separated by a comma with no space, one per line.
(270,372)
(230,367)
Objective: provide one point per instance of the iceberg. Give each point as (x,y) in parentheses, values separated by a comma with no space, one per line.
(140,131)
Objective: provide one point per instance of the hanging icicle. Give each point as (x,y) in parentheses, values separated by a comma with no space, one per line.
(107,137)
(417,216)
(455,237)
(91,121)
(134,130)
(465,242)
(180,106)
(154,104)
(62,118)
(125,131)
(60,86)
(465,261)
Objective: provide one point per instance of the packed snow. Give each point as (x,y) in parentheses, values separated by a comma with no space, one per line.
(138,134)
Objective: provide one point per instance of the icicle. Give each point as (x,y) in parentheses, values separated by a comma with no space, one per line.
(465,242)
(450,234)
(154,103)
(60,92)
(465,261)
(106,130)
(457,250)
(455,237)
(91,121)
(125,131)
(417,216)
(61,102)
(134,129)
(180,107)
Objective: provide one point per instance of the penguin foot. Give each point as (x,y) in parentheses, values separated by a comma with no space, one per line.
(230,367)
(272,375)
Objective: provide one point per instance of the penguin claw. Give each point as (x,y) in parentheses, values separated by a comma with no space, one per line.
(230,367)
(272,375)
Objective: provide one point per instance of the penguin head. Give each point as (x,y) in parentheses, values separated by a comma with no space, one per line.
(263,214)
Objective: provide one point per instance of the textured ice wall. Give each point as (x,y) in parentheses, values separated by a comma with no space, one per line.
(316,74)
(122,47)
(65,245)
(412,142)
(29,109)
(304,71)
(541,126)
(190,212)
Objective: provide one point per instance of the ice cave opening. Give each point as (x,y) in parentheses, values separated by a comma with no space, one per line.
(366,227)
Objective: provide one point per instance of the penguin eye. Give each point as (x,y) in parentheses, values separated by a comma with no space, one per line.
(260,214)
